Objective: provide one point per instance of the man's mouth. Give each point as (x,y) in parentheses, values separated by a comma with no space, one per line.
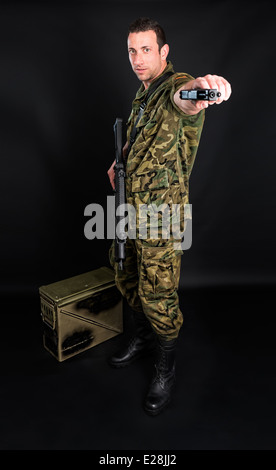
(140,70)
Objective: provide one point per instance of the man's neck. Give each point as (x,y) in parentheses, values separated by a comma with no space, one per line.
(147,83)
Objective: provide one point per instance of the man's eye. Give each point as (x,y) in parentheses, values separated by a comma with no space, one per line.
(131,51)
(146,49)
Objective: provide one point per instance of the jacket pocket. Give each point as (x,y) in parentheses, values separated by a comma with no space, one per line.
(150,186)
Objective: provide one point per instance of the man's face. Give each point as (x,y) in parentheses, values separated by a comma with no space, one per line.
(146,60)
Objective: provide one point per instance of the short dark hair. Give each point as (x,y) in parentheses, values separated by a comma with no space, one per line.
(147,24)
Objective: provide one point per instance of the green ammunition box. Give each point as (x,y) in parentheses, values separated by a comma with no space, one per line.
(80,312)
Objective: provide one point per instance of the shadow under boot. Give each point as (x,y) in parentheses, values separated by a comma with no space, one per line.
(162,384)
(141,344)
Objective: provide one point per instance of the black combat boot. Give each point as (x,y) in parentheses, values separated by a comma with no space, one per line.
(159,394)
(142,343)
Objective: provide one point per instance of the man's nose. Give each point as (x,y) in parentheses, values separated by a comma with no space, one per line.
(138,59)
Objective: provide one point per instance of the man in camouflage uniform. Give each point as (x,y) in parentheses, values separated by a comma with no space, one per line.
(158,167)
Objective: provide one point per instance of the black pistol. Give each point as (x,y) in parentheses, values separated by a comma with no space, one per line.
(201,94)
(120,194)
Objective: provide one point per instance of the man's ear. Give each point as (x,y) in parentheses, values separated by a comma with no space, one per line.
(164,51)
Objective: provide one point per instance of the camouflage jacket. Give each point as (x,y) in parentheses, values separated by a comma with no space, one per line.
(160,161)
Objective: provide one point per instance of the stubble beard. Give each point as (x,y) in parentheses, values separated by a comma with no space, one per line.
(147,79)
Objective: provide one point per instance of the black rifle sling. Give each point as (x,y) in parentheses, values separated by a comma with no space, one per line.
(143,105)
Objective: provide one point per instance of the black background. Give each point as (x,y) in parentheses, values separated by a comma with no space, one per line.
(64,79)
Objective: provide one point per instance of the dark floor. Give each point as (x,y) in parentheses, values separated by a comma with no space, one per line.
(224,399)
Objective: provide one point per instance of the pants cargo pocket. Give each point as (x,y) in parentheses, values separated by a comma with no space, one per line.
(159,274)
(158,283)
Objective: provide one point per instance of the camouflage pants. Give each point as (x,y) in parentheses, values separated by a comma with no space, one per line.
(149,282)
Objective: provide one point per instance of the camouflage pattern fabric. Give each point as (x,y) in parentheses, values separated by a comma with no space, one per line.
(149,282)
(162,157)
(158,168)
